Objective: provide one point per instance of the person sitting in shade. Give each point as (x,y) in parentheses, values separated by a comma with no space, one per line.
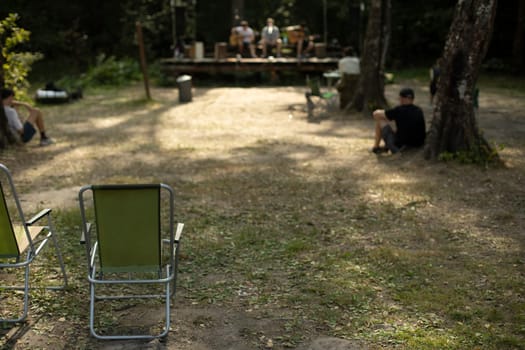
(270,38)
(400,127)
(26,130)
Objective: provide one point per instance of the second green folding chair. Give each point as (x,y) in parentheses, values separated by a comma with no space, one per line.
(21,241)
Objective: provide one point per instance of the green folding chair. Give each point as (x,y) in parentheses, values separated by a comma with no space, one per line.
(130,240)
(21,242)
(315,98)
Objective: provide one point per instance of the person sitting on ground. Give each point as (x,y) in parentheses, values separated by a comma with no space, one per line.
(271,37)
(25,130)
(408,129)
(245,39)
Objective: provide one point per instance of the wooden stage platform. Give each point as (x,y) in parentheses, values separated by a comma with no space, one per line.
(177,67)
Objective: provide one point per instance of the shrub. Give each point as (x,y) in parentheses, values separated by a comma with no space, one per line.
(110,71)
(16,65)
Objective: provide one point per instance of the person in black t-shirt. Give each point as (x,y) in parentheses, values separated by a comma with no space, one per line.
(408,129)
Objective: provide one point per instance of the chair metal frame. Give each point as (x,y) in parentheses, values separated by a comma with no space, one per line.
(96,274)
(21,245)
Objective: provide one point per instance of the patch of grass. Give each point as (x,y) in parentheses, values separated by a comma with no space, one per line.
(296,246)
(511,84)
(416,73)
(415,281)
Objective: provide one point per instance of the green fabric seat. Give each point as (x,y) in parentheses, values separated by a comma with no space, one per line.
(128,228)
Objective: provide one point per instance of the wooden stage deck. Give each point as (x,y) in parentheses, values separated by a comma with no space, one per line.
(177,67)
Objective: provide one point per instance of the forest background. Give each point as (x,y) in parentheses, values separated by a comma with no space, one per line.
(72,34)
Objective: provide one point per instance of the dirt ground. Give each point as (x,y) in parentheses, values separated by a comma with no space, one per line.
(209,137)
(220,120)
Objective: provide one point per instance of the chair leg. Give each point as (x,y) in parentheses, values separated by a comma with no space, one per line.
(92,311)
(26,288)
(168,304)
(309,104)
(167,299)
(58,254)
(26,298)
(26,293)
(25,307)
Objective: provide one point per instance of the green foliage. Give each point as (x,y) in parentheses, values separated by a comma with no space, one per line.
(420,73)
(158,77)
(418,35)
(512,84)
(108,71)
(479,154)
(15,65)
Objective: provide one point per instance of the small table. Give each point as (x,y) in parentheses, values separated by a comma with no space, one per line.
(330,76)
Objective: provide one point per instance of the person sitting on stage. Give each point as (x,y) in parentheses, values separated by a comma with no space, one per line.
(245,38)
(305,44)
(270,37)
(299,36)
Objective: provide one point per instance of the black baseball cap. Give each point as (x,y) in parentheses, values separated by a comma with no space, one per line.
(406,92)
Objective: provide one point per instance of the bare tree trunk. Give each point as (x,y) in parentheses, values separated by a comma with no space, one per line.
(519,38)
(454,127)
(370,93)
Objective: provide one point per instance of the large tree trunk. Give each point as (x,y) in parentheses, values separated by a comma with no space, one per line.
(454,127)
(370,92)
(519,38)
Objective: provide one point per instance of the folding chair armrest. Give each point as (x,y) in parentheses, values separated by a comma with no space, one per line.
(178,232)
(38,216)
(83,234)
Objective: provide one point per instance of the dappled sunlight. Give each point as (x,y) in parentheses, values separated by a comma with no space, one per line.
(221,123)
(107,122)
